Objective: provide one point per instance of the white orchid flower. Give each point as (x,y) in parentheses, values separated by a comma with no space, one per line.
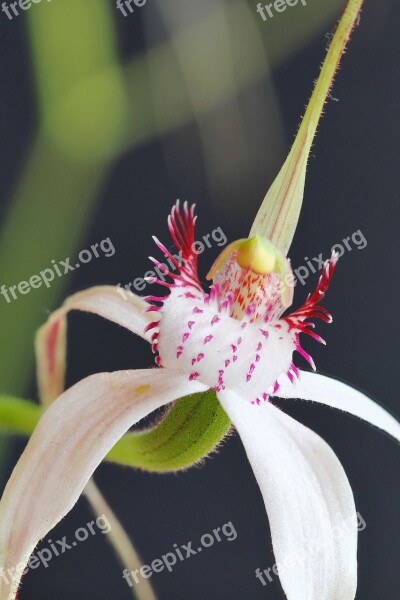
(232,339)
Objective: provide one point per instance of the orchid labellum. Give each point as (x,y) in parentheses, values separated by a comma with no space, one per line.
(232,345)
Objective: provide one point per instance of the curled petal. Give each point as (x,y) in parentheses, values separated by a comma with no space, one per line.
(329,391)
(72,438)
(110,302)
(51,357)
(308,500)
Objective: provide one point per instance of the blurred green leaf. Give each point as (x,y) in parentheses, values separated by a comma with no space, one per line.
(158,88)
(18,416)
(82,108)
(81,92)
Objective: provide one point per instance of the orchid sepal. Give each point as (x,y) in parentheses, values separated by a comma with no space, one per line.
(279,212)
(190,430)
(71,439)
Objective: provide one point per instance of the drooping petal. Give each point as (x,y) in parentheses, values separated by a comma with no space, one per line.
(329,391)
(113,303)
(73,436)
(308,500)
(198,422)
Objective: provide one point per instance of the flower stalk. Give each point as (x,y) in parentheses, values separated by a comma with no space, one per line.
(124,549)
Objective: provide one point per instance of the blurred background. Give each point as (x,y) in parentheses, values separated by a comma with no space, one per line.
(105,121)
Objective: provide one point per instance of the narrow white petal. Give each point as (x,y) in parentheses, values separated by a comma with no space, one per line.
(110,302)
(308,500)
(115,304)
(72,438)
(329,391)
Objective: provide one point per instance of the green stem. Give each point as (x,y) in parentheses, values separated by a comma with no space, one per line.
(119,539)
(279,213)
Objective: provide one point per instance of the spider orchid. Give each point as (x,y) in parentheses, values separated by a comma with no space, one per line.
(234,340)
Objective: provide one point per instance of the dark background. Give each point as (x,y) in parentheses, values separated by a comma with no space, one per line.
(353,183)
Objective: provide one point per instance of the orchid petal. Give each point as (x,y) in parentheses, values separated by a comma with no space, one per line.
(308,499)
(119,306)
(111,302)
(329,391)
(72,437)
(192,429)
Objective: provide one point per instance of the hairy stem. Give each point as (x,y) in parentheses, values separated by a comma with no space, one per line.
(279,212)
